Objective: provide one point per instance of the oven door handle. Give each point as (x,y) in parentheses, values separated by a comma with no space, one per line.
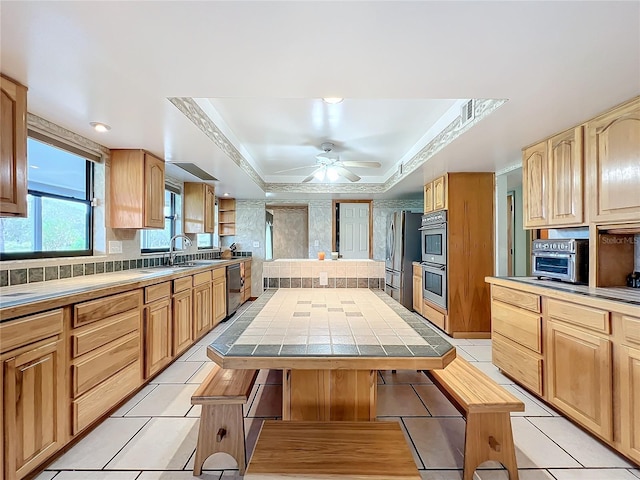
(434,266)
(433,226)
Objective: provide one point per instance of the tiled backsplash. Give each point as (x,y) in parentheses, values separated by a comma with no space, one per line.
(19,276)
(340,274)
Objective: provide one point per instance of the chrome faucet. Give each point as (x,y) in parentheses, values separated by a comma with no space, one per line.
(172,246)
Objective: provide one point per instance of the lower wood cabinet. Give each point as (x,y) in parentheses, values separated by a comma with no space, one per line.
(202,310)
(580,372)
(417,289)
(629,365)
(182,321)
(219,295)
(34,405)
(157,336)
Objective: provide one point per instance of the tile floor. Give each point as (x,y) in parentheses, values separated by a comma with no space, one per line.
(153,436)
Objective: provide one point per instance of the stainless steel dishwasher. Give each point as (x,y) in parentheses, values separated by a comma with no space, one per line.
(234,289)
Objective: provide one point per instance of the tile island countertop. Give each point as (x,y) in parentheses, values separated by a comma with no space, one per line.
(30,298)
(330,328)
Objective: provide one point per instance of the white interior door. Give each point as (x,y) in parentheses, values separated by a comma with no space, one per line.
(354,230)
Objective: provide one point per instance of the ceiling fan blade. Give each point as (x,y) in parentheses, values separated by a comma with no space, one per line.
(347,174)
(296,168)
(310,177)
(361,164)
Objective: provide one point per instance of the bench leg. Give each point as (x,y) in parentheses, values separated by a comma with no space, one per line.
(212,440)
(488,436)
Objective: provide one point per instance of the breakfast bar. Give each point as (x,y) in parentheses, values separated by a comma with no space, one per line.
(330,343)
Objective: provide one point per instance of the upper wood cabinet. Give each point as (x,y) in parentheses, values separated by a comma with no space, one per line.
(428,197)
(136,190)
(435,195)
(199,204)
(13,149)
(440,193)
(552,180)
(613,157)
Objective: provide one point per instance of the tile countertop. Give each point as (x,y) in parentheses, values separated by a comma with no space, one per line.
(352,327)
(627,298)
(29,298)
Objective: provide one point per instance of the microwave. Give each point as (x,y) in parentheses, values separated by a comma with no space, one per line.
(564,259)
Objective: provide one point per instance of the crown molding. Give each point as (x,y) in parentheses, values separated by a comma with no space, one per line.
(188,106)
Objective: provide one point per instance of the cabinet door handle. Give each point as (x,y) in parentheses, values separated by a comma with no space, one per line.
(23,369)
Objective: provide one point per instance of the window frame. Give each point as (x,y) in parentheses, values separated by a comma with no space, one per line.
(174,217)
(38,195)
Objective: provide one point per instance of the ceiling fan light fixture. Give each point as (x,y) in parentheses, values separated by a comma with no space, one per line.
(320,174)
(332,174)
(332,100)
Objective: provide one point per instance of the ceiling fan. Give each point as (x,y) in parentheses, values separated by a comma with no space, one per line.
(328,165)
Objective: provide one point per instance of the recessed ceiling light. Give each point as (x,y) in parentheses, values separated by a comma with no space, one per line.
(332,100)
(226,194)
(100,127)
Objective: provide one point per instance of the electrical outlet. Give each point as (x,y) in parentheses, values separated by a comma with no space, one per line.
(115,246)
(324,279)
(316,243)
(256,244)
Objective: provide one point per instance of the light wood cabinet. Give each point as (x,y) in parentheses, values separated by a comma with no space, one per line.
(417,289)
(613,158)
(33,417)
(428,197)
(219,295)
(534,185)
(136,193)
(629,365)
(440,193)
(13,149)
(552,181)
(202,309)
(182,321)
(199,204)
(226,216)
(157,336)
(245,275)
(34,403)
(580,372)
(516,331)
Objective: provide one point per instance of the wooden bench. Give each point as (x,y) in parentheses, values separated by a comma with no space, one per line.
(362,450)
(222,395)
(486,406)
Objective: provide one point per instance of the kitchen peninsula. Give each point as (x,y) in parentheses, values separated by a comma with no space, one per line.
(330,344)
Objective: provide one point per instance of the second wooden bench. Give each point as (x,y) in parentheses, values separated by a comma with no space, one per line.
(487,408)
(222,395)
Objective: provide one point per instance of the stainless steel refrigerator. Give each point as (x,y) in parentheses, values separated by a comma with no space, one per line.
(403,248)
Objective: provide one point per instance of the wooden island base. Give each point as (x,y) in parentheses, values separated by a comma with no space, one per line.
(324,395)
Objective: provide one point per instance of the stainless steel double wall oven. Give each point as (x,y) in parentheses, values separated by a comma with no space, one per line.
(434,258)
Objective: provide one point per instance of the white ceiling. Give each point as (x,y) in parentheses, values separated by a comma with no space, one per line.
(258,70)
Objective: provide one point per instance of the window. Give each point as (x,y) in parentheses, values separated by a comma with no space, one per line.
(158,240)
(209,240)
(59,215)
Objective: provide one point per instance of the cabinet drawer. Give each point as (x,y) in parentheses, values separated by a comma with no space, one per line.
(434,316)
(95,310)
(520,364)
(23,331)
(156,292)
(180,284)
(219,273)
(587,317)
(201,278)
(87,339)
(525,300)
(93,404)
(631,329)
(518,325)
(89,372)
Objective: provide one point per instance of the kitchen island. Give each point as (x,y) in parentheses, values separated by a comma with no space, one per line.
(330,345)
